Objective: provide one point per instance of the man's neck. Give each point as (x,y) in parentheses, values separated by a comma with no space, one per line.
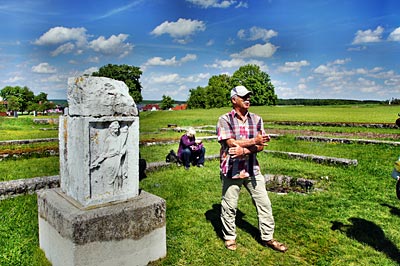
(241,112)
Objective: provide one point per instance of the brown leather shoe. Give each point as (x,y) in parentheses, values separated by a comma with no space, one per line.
(275,245)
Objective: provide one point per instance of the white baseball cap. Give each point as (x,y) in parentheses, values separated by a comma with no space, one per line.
(240,91)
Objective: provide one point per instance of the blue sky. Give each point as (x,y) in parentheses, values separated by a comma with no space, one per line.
(311,49)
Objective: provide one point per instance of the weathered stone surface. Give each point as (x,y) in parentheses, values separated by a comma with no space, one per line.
(99,142)
(99,158)
(317,158)
(347,141)
(98,216)
(99,96)
(288,180)
(27,186)
(337,124)
(45,121)
(130,219)
(41,153)
(27,141)
(126,233)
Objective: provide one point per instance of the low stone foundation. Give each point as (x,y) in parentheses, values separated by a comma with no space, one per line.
(337,124)
(317,158)
(27,186)
(346,140)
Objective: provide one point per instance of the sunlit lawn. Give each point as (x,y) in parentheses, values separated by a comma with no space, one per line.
(350,218)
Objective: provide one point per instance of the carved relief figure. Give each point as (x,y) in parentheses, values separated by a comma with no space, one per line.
(111,161)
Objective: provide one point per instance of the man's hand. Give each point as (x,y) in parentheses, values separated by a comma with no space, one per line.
(261,139)
(236,151)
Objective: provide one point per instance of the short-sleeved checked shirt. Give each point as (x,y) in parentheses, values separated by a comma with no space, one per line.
(230,126)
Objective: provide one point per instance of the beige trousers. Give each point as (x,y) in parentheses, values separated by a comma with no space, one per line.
(255,185)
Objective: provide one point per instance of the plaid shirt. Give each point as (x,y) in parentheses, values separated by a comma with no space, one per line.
(230,126)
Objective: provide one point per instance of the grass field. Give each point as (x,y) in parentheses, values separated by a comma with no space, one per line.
(350,218)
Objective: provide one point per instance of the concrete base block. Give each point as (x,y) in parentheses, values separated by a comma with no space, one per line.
(126,233)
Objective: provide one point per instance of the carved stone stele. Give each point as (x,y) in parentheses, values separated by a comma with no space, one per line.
(98,216)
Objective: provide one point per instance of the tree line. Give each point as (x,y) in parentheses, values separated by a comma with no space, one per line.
(319,102)
(22,99)
(215,94)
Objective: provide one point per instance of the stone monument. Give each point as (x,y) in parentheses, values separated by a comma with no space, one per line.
(99,216)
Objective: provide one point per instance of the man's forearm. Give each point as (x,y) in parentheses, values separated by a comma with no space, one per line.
(244,143)
(253,149)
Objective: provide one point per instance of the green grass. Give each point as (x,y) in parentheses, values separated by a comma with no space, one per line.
(151,122)
(19,243)
(359,200)
(29,168)
(23,127)
(351,219)
(357,113)
(331,130)
(361,114)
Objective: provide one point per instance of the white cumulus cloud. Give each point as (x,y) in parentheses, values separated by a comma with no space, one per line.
(14,79)
(216,3)
(112,46)
(257,50)
(64,49)
(293,66)
(44,68)
(180,30)
(169,78)
(59,35)
(256,33)
(236,63)
(368,36)
(76,40)
(395,35)
(159,61)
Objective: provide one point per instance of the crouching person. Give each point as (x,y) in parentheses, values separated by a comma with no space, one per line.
(191,150)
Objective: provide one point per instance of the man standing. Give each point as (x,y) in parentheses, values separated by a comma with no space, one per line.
(241,135)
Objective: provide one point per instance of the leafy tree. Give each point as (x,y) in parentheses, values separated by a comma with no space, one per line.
(47,105)
(21,97)
(128,74)
(166,102)
(40,98)
(217,91)
(13,103)
(258,82)
(197,98)
(33,107)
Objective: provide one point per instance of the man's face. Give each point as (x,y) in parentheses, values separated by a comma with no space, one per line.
(242,101)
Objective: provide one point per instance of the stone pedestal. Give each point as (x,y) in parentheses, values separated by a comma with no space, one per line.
(99,216)
(127,233)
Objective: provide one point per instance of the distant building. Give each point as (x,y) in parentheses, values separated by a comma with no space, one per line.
(179,107)
(4,104)
(151,107)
